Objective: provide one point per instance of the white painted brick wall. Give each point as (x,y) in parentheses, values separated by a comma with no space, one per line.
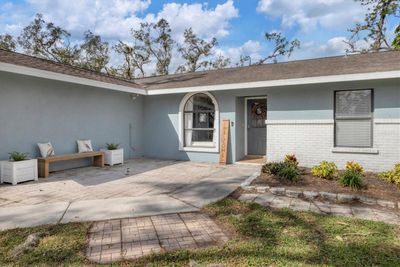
(312,141)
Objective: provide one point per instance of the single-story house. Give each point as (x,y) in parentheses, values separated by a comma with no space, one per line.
(337,109)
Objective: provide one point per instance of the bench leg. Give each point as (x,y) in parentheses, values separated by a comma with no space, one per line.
(43,169)
(98,161)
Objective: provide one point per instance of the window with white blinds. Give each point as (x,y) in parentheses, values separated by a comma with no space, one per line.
(353,118)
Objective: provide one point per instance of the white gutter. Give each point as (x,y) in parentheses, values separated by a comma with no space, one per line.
(283,82)
(67,78)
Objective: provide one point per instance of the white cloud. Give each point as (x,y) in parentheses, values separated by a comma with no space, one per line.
(332,14)
(250,48)
(111,19)
(12,18)
(333,47)
(205,22)
(114,19)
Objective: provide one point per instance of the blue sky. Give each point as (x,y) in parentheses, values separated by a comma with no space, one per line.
(239,25)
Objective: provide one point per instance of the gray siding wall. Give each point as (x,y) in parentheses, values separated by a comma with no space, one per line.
(315,102)
(36,110)
(312,102)
(161,126)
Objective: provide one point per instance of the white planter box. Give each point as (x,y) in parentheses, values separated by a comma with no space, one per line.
(15,172)
(113,157)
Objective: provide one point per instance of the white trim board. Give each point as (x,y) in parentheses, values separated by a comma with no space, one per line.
(283,82)
(67,78)
(324,121)
(288,122)
(387,121)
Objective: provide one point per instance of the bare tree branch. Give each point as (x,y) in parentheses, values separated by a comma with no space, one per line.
(282,47)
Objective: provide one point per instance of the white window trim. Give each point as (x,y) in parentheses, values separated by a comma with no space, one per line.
(199,148)
(371,117)
(355,150)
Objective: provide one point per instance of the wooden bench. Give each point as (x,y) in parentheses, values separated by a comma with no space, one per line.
(43,163)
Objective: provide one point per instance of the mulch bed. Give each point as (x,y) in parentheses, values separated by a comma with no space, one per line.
(374,186)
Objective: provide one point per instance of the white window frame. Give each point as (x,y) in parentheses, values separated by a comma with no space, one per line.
(371,117)
(198,146)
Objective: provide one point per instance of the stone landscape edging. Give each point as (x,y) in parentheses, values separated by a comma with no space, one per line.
(333,197)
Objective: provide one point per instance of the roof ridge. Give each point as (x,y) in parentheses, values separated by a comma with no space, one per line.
(269,64)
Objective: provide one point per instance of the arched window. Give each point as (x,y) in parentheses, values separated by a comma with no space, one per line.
(199,123)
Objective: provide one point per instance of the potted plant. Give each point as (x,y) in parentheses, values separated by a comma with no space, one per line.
(19,168)
(113,154)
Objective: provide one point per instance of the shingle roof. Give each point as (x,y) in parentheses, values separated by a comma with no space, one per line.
(352,64)
(47,65)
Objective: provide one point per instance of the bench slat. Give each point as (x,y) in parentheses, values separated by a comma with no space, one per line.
(72,156)
(43,163)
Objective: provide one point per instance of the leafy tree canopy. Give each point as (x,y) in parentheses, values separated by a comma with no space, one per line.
(7,42)
(371,34)
(44,39)
(94,52)
(193,50)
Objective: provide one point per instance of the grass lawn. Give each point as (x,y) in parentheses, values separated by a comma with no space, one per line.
(260,237)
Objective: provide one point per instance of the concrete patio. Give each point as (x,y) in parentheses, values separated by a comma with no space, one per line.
(141,187)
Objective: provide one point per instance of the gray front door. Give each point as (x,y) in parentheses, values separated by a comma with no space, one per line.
(256,131)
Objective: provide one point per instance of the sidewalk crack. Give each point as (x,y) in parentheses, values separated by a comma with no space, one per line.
(65,211)
(183,201)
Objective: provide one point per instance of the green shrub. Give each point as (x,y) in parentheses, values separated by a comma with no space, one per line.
(272,167)
(18,156)
(325,170)
(392,176)
(353,166)
(289,172)
(112,146)
(352,179)
(291,159)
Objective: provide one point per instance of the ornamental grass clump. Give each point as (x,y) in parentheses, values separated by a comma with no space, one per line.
(392,176)
(289,172)
(352,179)
(325,170)
(272,167)
(353,176)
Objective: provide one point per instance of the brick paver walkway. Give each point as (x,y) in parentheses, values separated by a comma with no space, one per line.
(355,211)
(132,238)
